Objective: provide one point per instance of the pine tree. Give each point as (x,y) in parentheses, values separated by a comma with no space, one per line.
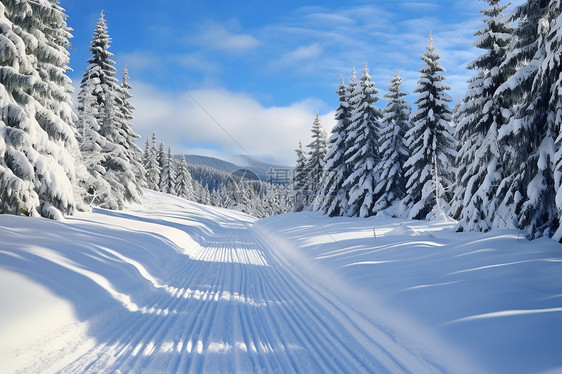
(17,190)
(133,152)
(334,195)
(168,175)
(184,181)
(161,158)
(99,82)
(92,149)
(539,214)
(37,143)
(554,50)
(300,174)
(393,149)
(315,162)
(481,115)
(363,154)
(525,196)
(430,141)
(151,164)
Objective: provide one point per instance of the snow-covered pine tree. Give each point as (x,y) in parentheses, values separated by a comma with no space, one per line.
(554,52)
(168,174)
(333,193)
(480,116)
(100,80)
(184,182)
(299,179)
(134,153)
(430,142)
(539,214)
(161,158)
(47,23)
(17,192)
(363,142)
(393,149)
(526,197)
(315,162)
(92,149)
(37,169)
(151,164)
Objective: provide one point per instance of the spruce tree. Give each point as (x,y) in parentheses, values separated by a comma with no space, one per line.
(99,81)
(161,158)
(363,153)
(168,174)
(553,64)
(334,195)
(17,177)
(93,149)
(393,149)
(300,174)
(37,168)
(315,162)
(525,196)
(126,109)
(184,182)
(481,115)
(151,164)
(430,142)
(539,214)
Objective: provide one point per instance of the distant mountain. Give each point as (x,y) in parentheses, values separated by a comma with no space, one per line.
(211,162)
(246,166)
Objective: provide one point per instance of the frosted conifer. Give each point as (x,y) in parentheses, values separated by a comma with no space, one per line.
(333,193)
(363,142)
(481,115)
(430,142)
(393,149)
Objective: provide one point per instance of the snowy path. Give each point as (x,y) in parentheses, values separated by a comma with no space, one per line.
(237,308)
(173,286)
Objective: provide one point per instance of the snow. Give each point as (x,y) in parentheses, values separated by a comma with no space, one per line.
(173,286)
(497,297)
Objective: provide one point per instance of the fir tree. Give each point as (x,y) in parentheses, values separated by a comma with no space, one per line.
(99,82)
(430,141)
(161,158)
(17,177)
(184,187)
(37,169)
(151,164)
(333,193)
(482,114)
(168,175)
(133,152)
(315,162)
(92,149)
(553,64)
(363,153)
(300,174)
(393,149)
(525,196)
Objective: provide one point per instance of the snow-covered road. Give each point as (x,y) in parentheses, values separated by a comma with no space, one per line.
(185,288)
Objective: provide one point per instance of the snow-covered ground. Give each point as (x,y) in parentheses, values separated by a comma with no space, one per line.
(173,286)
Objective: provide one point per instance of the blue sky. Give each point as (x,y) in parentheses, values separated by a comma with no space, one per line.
(261,69)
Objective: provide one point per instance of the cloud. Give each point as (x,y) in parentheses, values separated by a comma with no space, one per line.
(217,37)
(223,122)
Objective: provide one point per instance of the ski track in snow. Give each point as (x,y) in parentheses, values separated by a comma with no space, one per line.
(238,310)
(236,305)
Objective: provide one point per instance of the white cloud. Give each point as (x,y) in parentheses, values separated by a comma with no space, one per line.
(217,37)
(239,123)
(308,52)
